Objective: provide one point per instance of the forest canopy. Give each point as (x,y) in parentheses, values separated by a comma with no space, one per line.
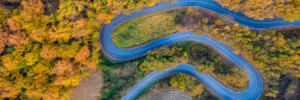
(261,9)
(47,46)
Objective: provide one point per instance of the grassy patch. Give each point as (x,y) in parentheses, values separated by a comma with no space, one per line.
(10,49)
(145,29)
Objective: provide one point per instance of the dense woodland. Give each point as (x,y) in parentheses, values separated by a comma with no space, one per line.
(47,46)
(260,9)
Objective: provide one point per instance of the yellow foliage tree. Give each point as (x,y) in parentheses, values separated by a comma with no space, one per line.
(68,51)
(178,80)
(197,90)
(218,22)
(69,8)
(82,54)
(174,82)
(3,14)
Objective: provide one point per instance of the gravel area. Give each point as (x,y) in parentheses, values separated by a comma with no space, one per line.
(171,94)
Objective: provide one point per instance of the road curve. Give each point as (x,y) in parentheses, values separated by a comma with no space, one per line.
(256,84)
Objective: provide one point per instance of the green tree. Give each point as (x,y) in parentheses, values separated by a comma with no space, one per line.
(218,22)
(205,20)
(3,14)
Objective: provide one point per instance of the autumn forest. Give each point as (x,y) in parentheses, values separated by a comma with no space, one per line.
(47,47)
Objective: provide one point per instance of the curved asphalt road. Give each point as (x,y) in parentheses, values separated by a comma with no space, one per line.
(256,84)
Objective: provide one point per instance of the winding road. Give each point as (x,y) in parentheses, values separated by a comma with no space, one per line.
(256,84)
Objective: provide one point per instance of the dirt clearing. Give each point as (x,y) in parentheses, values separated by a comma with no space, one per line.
(89,88)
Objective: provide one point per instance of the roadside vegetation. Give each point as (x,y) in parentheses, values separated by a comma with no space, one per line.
(202,57)
(119,79)
(187,83)
(180,82)
(260,9)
